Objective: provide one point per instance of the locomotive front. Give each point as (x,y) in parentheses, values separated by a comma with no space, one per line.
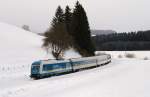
(35,69)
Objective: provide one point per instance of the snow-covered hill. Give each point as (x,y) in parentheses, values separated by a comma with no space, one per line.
(18,45)
(18,49)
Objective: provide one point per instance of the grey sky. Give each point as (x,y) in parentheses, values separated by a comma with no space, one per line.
(119,15)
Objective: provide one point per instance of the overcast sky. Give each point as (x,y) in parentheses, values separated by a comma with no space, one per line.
(119,15)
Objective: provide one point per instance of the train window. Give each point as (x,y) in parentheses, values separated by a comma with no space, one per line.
(62,65)
(84,62)
(56,66)
(35,69)
(68,65)
(47,67)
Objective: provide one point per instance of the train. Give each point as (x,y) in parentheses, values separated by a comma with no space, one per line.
(47,68)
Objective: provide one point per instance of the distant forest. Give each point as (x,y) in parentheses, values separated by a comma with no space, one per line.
(130,41)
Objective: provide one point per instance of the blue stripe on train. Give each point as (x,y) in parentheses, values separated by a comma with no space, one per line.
(50,69)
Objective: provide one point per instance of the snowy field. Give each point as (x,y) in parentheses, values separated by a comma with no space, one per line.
(123,77)
(137,54)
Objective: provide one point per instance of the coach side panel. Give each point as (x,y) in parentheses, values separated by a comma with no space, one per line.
(103,59)
(83,63)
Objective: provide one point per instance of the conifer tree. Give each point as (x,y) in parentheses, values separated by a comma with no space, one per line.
(68,18)
(80,32)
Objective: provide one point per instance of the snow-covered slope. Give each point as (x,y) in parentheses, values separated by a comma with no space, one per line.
(10,34)
(18,45)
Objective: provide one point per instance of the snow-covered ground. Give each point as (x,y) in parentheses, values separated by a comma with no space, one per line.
(122,78)
(137,54)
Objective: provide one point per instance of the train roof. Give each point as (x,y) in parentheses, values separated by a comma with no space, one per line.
(87,58)
(36,63)
(50,61)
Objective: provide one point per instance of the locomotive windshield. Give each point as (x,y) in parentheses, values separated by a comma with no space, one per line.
(35,69)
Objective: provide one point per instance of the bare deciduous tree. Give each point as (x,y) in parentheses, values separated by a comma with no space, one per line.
(57,40)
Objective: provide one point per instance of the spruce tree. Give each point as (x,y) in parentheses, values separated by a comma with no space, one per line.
(68,18)
(80,32)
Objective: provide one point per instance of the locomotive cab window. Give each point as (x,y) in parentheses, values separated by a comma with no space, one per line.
(35,69)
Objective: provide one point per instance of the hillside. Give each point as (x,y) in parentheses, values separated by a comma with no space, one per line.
(18,45)
(96,32)
(102,32)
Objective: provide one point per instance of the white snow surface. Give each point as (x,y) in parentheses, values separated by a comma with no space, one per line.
(18,45)
(137,54)
(121,78)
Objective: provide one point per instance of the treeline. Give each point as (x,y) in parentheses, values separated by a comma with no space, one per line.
(69,29)
(123,41)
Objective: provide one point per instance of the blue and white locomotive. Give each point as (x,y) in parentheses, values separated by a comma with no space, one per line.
(46,68)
